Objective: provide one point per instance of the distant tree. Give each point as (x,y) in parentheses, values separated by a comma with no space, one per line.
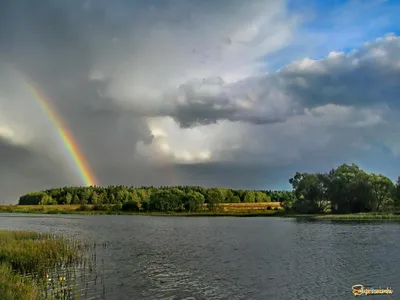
(130,205)
(94,199)
(261,197)
(193,201)
(68,198)
(214,196)
(249,197)
(228,196)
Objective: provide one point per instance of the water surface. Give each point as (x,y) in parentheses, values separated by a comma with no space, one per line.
(150,257)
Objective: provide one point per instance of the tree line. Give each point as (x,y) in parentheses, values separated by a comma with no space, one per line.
(346,189)
(187,198)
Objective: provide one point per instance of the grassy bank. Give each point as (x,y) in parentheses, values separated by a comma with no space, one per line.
(359,216)
(225,209)
(36,266)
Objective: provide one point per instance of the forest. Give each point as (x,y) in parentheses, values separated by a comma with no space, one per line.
(346,189)
(178,198)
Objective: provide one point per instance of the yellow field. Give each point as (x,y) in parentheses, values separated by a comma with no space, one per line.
(248,206)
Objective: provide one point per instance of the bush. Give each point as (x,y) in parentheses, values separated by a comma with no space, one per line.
(131,205)
(100,207)
(145,205)
(116,207)
(83,207)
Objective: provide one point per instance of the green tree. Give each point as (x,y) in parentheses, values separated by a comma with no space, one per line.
(396,196)
(94,199)
(47,200)
(193,201)
(214,196)
(130,205)
(76,200)
(228,196)
(235,199)
(349,190)
(249,197)
(382,191)
(68,198)
(261,197)
(311,193)
(166,200)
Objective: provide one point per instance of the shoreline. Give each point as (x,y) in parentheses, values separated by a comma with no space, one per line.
(160,214)
(245,213)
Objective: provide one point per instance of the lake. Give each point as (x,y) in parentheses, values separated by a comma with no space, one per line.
(148,257)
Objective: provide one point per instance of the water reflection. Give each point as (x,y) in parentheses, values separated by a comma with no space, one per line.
(139,257)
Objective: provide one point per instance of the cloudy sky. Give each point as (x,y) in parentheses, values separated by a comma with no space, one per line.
(226,93)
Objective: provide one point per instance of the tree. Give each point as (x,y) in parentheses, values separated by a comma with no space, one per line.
(396,196)
(228,196)
(193,201)
(310,193)
(68,198)
(47,200)
(249,197)
(235,199)
(165,200)
(130,205)
(94,199)
(261,197)
(214,196)
(349,190)
(382,191)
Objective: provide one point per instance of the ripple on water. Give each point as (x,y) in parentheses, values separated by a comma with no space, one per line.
(155,258)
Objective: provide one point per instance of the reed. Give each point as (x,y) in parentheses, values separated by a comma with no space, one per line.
(39,265)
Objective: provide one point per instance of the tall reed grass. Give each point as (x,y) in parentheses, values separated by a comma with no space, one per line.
(36,266)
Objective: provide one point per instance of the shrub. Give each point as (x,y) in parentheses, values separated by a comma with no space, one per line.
(100,207)
(83,207)
(130,205)
(145,205)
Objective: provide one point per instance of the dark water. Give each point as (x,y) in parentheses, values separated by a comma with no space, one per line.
(231,258)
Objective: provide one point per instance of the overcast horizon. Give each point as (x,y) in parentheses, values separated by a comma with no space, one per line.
(181,92)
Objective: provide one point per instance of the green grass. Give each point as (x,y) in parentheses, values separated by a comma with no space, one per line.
(13,286)
(28,260)
(359,216)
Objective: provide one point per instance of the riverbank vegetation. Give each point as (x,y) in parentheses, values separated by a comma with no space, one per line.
(223,209)
(344,190)
(188,199)
(36,266)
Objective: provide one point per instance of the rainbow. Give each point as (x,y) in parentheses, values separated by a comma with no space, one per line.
(79,162)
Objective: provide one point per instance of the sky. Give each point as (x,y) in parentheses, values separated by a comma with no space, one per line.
(230,93)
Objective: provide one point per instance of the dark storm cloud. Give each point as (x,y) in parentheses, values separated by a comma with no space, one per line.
(110,69)
(25,169)
(54,42)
